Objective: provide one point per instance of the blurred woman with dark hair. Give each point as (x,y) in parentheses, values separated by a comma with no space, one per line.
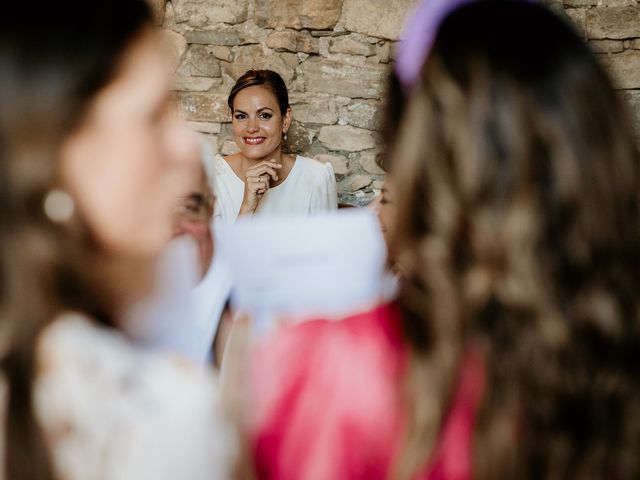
(261,178)
(92,160)
(513,348)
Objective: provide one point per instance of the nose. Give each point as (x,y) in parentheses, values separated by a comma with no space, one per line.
(252,125)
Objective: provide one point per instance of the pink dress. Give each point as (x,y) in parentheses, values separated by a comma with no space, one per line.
(327,402)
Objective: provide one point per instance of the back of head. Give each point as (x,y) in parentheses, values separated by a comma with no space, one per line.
(519,182)
(54,57)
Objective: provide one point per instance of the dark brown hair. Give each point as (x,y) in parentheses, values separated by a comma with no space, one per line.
(264,78)
(54,59)
(518,230)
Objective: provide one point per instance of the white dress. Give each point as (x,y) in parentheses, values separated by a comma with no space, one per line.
(111,412)
(310,187)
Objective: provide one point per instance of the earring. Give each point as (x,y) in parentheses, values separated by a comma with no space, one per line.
(58,206)
(284,136)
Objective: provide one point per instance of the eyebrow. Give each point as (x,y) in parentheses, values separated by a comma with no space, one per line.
(260,110)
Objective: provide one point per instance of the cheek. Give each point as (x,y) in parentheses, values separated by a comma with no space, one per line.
(122,186)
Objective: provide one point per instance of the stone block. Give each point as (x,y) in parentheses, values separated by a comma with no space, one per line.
(204,127)
(308,109)
(634,44)
(298,14)
(351,46)
(355,81)
(361,114)
(354,183)
(293,41)
(377,18)
(200,13)
(201,107)
(222,53)
(368,163)
(254,57)
(229,147)
(176,44)
(606,46)
(194,84)
(339,163)
(579,3)
(613,22)
(203,63)
(215,37)
(624,68)
(346,138)
(299,138)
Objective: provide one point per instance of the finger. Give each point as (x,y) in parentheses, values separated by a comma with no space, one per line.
(264,164)
(263,170)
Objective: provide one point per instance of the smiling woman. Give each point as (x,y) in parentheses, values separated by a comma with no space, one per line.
(261,178)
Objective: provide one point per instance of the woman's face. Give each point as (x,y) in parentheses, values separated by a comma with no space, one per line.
(258,124)
(384,207)
(131,158)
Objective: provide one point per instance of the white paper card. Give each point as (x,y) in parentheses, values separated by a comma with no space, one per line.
(296,268)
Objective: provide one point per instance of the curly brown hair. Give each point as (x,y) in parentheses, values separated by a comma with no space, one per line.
(518,234)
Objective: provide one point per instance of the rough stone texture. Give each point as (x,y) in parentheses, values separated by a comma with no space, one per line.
(314,109)
(366,81)
(334,56)
(198,13)
(361,114)
(607,46)
(298,14)
(368,162)
(229,147)
(613,22)
(339,163)
(215,37)
(203,62)
(194,84)
(255,57)
(349,45)
(199,107)
(205,127)
(378,18)
(625,68)
(293,41)
(354,183)
(348,139)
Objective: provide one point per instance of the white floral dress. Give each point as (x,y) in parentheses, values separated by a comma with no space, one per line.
(110,411)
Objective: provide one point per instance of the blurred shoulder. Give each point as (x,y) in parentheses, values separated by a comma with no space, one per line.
(107,405)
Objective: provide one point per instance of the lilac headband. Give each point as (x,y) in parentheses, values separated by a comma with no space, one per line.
(418,37)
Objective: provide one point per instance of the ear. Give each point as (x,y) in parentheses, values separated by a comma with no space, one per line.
(286,120)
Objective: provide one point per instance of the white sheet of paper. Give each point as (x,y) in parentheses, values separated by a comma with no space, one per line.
(295,268)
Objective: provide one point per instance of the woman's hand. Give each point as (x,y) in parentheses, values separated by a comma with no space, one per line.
(257,181)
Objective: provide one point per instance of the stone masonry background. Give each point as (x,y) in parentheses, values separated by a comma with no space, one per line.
(334,56)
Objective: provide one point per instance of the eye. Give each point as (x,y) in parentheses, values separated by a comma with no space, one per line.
(239,116)
(265,116)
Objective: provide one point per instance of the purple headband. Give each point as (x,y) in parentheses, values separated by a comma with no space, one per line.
(418,37)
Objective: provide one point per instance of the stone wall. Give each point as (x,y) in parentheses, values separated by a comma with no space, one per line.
(334,56)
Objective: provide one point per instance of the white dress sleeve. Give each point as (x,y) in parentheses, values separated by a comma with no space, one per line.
(324,195)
